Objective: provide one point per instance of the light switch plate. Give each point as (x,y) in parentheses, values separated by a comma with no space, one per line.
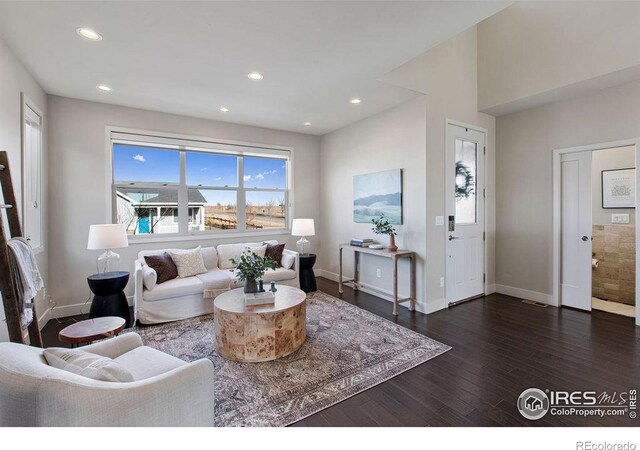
(439,221)
(619,218)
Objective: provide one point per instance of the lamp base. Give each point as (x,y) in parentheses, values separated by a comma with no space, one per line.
(109,261)
(303,245)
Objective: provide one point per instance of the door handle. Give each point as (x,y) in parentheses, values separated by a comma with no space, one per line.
(586,238)
(451,238)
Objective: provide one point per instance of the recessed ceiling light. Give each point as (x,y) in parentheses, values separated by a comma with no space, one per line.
(307,124)
(256,76)
(224,109)
(88,33)
(355,101)
(104,87)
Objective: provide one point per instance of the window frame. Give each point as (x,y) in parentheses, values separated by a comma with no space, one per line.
(185,144)
(29,108)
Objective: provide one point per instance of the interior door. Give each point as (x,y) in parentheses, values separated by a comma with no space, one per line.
(575,277)
(465,196)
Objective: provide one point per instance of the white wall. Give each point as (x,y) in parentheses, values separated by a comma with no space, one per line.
(393,139)
(525,141)
(532,48)
(609,159)
(15,79)
(78,187)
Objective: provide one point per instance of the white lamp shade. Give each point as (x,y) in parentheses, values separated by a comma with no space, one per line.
(303,227)
(107,236)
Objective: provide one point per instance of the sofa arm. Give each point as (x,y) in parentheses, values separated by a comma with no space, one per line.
(114,347)
(296,262)
(180,397)
(138,288)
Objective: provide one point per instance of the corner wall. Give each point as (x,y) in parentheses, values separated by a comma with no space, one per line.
(15,79)
(78,186)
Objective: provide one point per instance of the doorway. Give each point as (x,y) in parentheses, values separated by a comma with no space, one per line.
(594,232)
(465,212)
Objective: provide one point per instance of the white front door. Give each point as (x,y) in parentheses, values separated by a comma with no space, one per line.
(575,277)
(464,222)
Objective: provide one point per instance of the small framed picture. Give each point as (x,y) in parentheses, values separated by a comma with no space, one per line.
(619,188)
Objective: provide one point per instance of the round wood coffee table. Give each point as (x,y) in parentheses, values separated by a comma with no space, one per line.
(87,331)
(261,332)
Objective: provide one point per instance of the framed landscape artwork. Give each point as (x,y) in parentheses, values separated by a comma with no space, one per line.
(619,188)
(378,193)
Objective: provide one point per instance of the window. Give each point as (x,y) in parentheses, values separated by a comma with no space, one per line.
(171,186)
(466,167)
(32,213)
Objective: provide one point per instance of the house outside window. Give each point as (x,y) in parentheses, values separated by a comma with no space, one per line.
(168,186)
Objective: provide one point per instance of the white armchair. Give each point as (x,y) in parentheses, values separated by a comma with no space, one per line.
(166,392)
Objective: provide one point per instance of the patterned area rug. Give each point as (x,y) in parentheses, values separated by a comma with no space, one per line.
(347,351)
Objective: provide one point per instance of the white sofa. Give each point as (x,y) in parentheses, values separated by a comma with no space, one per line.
(166,391)
(182,298)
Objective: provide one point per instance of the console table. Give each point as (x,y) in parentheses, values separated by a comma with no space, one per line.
(384,253)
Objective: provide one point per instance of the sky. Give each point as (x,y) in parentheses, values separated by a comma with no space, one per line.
(145,164)
(379,183)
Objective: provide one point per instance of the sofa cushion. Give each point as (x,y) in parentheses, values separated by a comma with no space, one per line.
(178,287)
(189,262)
(163,265)
(87,365)
(274,252)
(287,260)
(210,256)
(149,277)
(226,252)
(146,362)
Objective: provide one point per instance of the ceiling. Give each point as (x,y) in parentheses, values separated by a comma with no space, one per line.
(192,58)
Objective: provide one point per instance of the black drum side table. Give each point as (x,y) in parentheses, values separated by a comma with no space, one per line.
(307,277)
(109,297)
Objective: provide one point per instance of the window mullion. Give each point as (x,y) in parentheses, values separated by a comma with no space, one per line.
(183,196)
(241,198)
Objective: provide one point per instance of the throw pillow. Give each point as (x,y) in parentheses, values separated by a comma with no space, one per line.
(287,260)
(189,262)
(259,250)
(163,265)
(87,365)
(275,252)
(149,277)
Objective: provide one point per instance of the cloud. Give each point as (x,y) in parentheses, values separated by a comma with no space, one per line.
(274,171)
(259,177)
(217,179)
(203,169)
(140,158)
(247,177)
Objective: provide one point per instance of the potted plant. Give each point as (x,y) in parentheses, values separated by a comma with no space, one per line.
(252,267)
(381,225)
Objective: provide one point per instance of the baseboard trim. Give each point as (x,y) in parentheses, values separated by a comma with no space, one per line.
(490,289)
(384,294)
(524,294)
(60,311)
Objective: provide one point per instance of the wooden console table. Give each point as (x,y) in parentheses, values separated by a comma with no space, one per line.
(395,256)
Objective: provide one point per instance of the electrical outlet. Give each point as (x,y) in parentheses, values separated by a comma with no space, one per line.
(379,272)
(439,221)
(441,281)
(619,218)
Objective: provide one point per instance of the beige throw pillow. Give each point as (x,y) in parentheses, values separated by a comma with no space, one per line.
(189,262)
(259,250)
(87,365)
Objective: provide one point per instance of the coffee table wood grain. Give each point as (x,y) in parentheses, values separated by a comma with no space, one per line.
(87,331)
(261,332)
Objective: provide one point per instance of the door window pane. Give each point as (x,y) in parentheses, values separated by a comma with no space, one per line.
(145,164)
(466,157)
(218,212)
(147,210)
(209,169)
(265,173)
(265,210)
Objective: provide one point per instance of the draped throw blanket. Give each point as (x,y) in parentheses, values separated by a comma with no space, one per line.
(215,283)
(26,275)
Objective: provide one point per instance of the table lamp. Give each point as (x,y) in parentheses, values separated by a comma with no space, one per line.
(107,237)
(303,228)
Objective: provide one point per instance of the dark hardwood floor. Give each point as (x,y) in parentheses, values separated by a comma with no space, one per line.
(501,346)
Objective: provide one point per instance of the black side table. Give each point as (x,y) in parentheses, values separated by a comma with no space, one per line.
(109,297)
(307,277)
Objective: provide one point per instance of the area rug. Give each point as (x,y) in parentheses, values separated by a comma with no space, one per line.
(347,351)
